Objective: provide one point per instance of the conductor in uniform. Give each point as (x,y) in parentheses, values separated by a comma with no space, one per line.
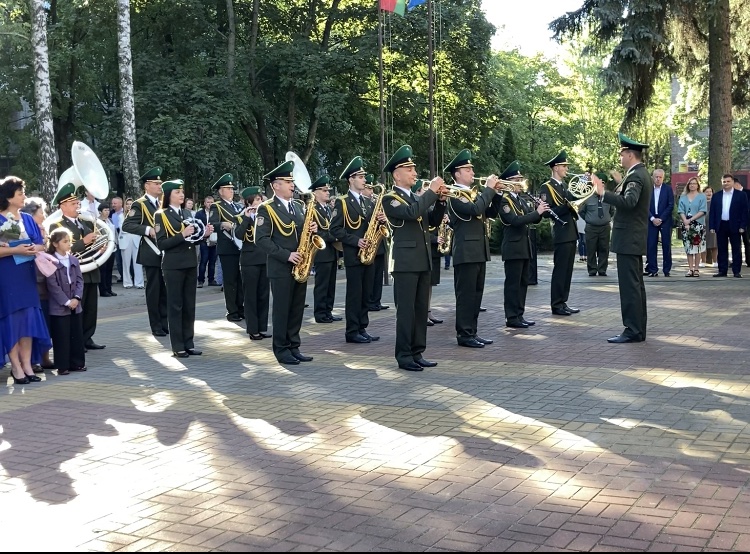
(630,236)
(84,233)
(225,215)
(278,226)
(564,236)
(326,267)
(517,214)
(410,218)
(180,266)
(468,212)
(140,221)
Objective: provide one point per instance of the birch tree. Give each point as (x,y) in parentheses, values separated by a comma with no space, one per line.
(127,102)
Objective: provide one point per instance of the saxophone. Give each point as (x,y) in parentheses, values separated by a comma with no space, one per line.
(309,244)
(445,231)
(375,231)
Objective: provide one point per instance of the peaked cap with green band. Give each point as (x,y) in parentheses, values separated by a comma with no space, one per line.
(560,159)
(402,158)
(67,192)
(153,174)
(463,159)
(415,188)
(223,181)
(172,184)
(355,167)
(247,192)
(627,143)
(369,179)
(513,170)
(321,183)
(282,172)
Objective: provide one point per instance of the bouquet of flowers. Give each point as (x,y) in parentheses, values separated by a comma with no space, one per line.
(10,230)
(693,235)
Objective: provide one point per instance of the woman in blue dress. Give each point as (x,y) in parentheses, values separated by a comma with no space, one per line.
(23,331)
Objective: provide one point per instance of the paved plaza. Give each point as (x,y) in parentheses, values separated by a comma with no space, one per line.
(549,439)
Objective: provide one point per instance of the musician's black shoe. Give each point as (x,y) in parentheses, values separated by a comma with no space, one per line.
(424,363)
(528,322)
(359,339)
(483,341)
(561,311)
(112,293)
(334,317)
(104,294)
(435,320)
(234,318)
(301,357)
(265,335)
(411,366)
(213,284)
(181,354)
(470,342)
(288,360)
(369,336)
(482,309)
(194,352)
(572,310)
(255,336)
(324,319)
(159,333)
(94,346)
(373,308)
(383,307)
(619,339)
(517,324)
(430,323)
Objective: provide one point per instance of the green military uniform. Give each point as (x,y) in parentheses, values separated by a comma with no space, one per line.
(564,238)
(180,268)
(324,293)
(598,217)
(255,285)
(277,232)
(80,227)
(223,211)
(516,214)
(410,219)
(140,221)
(349,222)
(470,251)
(378,273)
(629,238)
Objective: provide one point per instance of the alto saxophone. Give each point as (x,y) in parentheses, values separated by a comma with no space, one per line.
(309,244)
(446,232)
(375,231)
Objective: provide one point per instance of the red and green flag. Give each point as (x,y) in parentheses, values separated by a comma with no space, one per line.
(400,6)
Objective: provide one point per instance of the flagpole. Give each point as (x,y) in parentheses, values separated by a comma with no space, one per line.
(431,91)
(381,85)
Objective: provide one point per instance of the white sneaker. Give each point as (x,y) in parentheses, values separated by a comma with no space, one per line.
(715,264)
(701,264)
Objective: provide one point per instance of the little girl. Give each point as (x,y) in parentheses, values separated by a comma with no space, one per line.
(65,289)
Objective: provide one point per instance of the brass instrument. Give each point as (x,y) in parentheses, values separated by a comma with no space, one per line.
(309,244)
(375,230)
(446,232)
(582,187)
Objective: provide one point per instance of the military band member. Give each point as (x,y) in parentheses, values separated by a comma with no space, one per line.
(325,260)
(435,242)
(84,233)
(471,246)
(255,285)
(630,236)
(180,267)
(225,215)
(349,223)
(410,220)
(376,296)
(517,213)
(278,226)
(140,221)
(564,237)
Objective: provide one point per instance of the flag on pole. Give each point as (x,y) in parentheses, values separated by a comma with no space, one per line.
(414,3)
(400,6)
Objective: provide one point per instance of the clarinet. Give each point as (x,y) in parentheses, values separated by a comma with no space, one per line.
(536,200)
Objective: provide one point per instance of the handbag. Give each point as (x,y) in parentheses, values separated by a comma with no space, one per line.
(45,263)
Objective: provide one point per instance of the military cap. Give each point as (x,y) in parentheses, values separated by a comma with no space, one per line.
(603,176)
(282,172)
(416,187)
(560,159)
(627,143)
(369,179)
(223,181)
(321,183)
(463,159)
(247,192)
(173,184)
(402,158)
(65,193)
(513,170)
(355,167)
(151,175)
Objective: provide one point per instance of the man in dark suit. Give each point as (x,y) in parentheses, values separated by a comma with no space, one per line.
(517,214)
(140,221)
(659,226)
(207,251)
(278,226)
(324,293)
(412,257)
(225,215)
(470,250)
(375,304)
(727,218)
(564,235)
(629,236)
(84,233)
(349,223)
(745,236)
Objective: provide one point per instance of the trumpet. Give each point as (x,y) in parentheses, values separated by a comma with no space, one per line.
(506,184)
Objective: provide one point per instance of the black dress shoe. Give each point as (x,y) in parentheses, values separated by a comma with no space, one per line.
(517,324)
(383,307)
(411,366)
(470,343)
(166,330)
(288,360)
(563,311)
(25,380)
(301,357)
(483,341)
(334,317)
(618,339)
(373,308)
(213,284)
(369,336)
(159,334)
(482,309)
(33,378)
(528,322)
(194,352)
(425,363)
(592,274)
(430,323)
(265,335)
(78,368)
(738,275)
(200,285)
(719,274)
(112,293)
(105,294)
(181,354)
(234,318)
(435,320)
(63,372)
(572,310)
(602,275)
(666,275)
(307,305)
(323,320)
(94,346)
(255,336)
(650,273)
(359,339)
(48,366)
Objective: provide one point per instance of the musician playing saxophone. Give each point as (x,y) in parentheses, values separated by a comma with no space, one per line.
(278,226)
(325,260)
(349,223)
(471,246)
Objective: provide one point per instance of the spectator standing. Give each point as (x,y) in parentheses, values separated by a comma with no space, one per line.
(105,284)
(208,247)
(128,245)
(728,219)
(692,209)
(581,227)
(708,256)
(117,215)
(660,226)
(597,215)
(745,239)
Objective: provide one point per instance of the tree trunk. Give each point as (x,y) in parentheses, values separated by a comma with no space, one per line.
(720,93)
(127,101)
(231,41)
(43,101)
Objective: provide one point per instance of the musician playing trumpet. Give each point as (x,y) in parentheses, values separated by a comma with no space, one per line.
(471,246)
(179,265)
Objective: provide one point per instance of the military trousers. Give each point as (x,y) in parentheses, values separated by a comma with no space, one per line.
(515,288)
(358,289)
(562,274)
(597,248)
(287,313)
(632,295)
(468,284)
(413,292)
(156,299)
(181,286)
(256,292)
